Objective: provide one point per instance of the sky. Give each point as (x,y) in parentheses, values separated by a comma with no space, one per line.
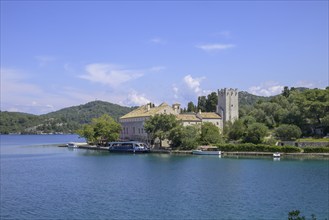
(57,54)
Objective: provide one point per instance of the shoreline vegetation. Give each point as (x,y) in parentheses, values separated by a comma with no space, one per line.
(226,153)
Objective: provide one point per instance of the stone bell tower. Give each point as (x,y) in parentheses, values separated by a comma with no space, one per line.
(228,104)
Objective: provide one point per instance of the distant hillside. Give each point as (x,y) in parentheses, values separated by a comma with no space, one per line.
(66,120)
(246,98)
(14,122)
(84,113)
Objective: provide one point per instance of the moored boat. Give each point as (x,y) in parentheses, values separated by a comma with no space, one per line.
(276,155)
(128,147)
(207,150)
(72,145)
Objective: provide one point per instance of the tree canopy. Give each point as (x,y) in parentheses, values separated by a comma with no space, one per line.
(288,132)
(101,130)
(159,126)
(210,134)
(184,137)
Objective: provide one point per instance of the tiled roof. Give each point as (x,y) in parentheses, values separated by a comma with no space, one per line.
(187,117)
(209,115)
(143,112)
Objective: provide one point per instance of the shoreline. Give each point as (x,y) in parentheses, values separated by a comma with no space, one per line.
(224,153)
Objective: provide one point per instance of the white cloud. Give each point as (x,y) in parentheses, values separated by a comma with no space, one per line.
(194,83)
(188,89)
(266,89)
(134,98)
(176,91)
(109,74)
(271,88)
(215,47)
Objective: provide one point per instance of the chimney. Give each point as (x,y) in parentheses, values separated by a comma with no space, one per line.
(148,106)
(176,107)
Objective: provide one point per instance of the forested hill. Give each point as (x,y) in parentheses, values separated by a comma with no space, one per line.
(66,120)
(246,98)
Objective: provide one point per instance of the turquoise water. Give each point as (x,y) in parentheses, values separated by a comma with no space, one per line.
(42,181)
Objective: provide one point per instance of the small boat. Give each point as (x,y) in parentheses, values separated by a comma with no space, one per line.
(128,147)
(207,150)
(72,145)
(276,155)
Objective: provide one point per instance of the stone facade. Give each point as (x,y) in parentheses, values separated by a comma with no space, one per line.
(133,122)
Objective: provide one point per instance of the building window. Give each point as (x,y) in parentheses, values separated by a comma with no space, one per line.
(133,130)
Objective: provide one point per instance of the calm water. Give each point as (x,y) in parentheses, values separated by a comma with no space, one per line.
(42,181)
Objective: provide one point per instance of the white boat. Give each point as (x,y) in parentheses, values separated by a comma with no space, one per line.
(204,152)
(276,155)
(207,150)
(72,145)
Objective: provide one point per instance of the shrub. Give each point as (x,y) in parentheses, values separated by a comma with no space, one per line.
(248,147)
(288,132)
(316,150)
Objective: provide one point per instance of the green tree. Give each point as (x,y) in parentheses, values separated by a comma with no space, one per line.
(184,137)
(101,130)
(159,126)
(202,102)
(255,133)
(191,107)
(210,134)
(190,137)
(175,136)
(87,132)
(286,92)
(314,105)
(248,120)
(211,103)
(288,132)
(236,130)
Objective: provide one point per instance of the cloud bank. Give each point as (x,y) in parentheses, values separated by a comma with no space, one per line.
(266,89)
(109,74)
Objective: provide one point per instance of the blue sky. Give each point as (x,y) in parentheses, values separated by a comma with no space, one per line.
(56,54)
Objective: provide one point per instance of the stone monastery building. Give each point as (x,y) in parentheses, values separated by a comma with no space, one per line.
(227,110)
